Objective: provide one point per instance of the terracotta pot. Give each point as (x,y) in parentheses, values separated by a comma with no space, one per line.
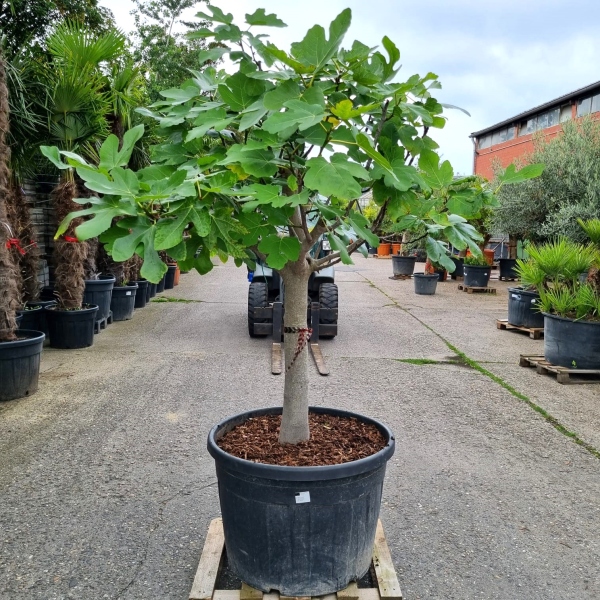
(396,249)
(489,256)
(177,274)
(384,249)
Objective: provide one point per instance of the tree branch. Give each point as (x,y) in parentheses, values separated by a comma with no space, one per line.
(378,132)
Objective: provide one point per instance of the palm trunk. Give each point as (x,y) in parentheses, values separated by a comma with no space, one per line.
(9,272)
(294,422)
(512,246)
(30,260)
(69,254)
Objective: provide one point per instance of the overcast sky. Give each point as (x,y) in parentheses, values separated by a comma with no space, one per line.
(495,58)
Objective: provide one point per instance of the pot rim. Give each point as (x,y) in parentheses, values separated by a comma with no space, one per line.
(577,321)
(29,341)
(286,473)
(89,308)
(427,275)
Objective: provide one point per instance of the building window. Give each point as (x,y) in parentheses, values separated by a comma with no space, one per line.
(565,113)
(502,135)
(596,103)
(484,142)
(584,107)
(528,126)
(550,118)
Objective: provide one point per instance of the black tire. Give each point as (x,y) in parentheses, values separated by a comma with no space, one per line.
(258,296)
(328,298)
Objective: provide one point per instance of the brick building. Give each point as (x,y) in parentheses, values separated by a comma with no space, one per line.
(513,137)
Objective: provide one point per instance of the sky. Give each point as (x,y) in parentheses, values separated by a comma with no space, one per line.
(494,58)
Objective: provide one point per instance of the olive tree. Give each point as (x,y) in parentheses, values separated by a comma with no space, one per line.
(261,163)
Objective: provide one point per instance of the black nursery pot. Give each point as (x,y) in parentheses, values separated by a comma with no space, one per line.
(170,277)
(99,292)
(570,343)
(37,317)
(20,365)
(71,329)
(141,296)
(403,265)
(458,267)
(160,286)
(122,303)
(476,276)
(425,284)
(507,268)
(522,308)
(305,531)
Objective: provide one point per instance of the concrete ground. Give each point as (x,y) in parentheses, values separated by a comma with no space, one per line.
(106,489)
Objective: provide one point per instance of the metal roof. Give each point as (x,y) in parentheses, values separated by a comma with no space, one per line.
(537,109)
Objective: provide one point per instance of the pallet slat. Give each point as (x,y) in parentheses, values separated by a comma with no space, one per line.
(387,581)
(563,374)
(203,588)
(210,560)
(535,333)
(476,290)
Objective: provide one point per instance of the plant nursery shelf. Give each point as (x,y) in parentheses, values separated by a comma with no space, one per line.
(211,564)
(535,333)
(563,374)
(476,290)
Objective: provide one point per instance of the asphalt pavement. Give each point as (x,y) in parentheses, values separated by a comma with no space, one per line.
(106,488)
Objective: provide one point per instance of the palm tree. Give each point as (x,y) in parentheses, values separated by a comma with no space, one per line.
(9,273)
(77,109)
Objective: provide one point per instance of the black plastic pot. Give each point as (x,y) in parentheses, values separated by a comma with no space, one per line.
(122,303)
(32,318)
(304,531)
(160,286)
(507,268)
(170,277)
(98,292)
(43,325)
(522,308)
(151,290)
(20,365)
(458,267)
(570,343)
(141,296)
(71,329)
(425,285)
(476,276)
(403,265)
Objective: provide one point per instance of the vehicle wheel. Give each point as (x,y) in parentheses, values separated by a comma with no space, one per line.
(258,296)
(328,298)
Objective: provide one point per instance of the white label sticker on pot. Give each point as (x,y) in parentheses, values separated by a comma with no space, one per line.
(128,293)
(515,296)
(533,300)
(302,497)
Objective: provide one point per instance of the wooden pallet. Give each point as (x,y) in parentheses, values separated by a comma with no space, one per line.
(401,277)
(535,333)
(379,256)
(210,565)
(476,290)
(563,374)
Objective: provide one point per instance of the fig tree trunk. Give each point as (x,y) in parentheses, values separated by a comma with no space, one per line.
(294,422)
(512,246)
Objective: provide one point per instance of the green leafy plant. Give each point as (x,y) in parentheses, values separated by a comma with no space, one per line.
(262,163)
(475,261)
(557,271)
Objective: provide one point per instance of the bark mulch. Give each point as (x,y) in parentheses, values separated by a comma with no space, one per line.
(333,441)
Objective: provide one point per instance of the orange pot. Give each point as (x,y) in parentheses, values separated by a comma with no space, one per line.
(489,256)
(396,248)
(384,249)
(177,274)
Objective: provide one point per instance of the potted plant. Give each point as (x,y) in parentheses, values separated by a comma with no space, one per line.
(260,165)
(426,283)
(570,305)
(19,352)
(523,301)
(476,271)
